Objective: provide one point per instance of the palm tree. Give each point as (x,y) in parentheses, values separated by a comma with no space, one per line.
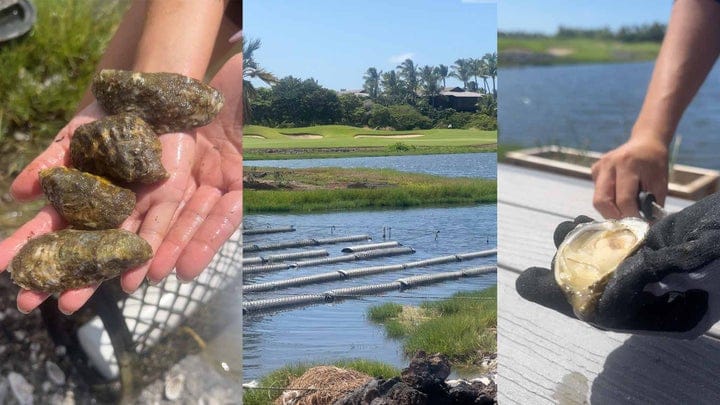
(430,79)
(251,70)
(372,82)
(462,70)
(392,87)
(480,68)
(442,72)
(409,73)
(491,63)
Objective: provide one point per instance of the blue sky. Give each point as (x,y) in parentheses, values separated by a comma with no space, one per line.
(335,41)
(546,15)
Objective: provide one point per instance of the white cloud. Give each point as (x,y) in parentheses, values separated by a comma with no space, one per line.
(401,58)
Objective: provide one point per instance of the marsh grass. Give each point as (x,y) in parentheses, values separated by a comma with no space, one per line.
(326,189)
(281,378)
(462,327)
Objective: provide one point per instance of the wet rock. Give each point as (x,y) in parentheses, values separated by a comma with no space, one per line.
(86,201)
(427,373)
(121,147)
(384,392)
(54,373)
(21,389)
(72,259)
(168,102)
(473,393)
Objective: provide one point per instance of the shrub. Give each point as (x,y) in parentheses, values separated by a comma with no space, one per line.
(406,117)
(380,117)
(483,122)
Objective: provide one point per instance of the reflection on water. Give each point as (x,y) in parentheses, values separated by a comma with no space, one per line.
(595,106)
(453,165)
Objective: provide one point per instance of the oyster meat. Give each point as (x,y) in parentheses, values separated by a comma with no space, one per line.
(169,102)
(71,259)
(588,257)
(86,201)
(121,147)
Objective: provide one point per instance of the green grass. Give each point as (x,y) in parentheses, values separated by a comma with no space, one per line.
(581,50)
(385,189)
(461,327)
(281,378)
(342,140)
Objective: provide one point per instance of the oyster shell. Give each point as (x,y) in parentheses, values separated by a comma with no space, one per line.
(86,201)
(588,257)
(121,147)
(70,259)
(169,102)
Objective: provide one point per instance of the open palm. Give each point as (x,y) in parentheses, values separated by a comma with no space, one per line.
(185,219)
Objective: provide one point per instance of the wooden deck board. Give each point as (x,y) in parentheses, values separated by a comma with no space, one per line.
(545,357)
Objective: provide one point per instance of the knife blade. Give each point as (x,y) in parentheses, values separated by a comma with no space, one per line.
(649,208)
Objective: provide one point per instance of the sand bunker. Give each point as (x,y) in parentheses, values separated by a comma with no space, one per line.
(305,136)
(390,136)
(254,136)
(560,51)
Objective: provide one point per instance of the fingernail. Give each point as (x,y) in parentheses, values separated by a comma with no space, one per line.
(152,282)
(22,311)
(182,280)
(68,313)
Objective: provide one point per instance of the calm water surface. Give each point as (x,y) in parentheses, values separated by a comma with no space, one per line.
(595,106)
(450,165)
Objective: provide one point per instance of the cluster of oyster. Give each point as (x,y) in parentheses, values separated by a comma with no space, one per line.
(122,148)
(588,257)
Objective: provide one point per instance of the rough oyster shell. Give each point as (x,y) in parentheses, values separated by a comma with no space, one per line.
(589,256)
(121,147)
(169,102)
(86,201)
(70,259)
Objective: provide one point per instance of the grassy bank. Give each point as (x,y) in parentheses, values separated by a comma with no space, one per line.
(549,51)
(340,140)
(280,379)
(331,189)
(462,327)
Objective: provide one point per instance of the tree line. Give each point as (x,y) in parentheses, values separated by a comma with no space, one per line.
(654,32)
(399,99)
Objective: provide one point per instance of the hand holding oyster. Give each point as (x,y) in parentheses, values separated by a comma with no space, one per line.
(633,277)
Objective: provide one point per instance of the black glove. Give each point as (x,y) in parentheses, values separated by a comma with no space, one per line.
(669,286)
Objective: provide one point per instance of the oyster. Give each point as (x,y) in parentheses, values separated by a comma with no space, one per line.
(588,257)
(169,102)
(86,201)
(70,259)
(121,147)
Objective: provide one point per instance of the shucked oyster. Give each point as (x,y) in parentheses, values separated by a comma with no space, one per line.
(86,201)
(169,102)
(121,147)
(70,259)
(589,256)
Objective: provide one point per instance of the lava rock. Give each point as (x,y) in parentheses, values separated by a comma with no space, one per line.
(384,392)
(122,147)
(169,102)
(427,373)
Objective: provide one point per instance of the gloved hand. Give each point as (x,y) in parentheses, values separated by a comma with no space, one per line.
(669,286)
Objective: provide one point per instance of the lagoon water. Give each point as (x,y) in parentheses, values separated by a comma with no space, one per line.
(340,330)
(595,106)
(450,165)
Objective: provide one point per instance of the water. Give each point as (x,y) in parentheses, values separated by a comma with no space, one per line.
(340,331)
(323,333)
(595,107)
(463,164)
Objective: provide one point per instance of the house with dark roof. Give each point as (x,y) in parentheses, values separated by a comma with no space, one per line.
(457,99)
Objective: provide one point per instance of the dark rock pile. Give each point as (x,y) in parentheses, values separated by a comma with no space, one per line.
(423,383)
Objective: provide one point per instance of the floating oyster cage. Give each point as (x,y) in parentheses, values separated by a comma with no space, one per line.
(688,182)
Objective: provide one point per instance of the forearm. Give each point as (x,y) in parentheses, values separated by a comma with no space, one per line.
(688,52)
(164,36)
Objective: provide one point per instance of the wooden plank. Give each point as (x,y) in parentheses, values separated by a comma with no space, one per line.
(545,357)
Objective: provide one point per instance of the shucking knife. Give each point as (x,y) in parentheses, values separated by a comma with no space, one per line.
(649,208)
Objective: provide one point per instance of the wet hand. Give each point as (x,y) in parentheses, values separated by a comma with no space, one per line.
(186,218)
(641,164)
